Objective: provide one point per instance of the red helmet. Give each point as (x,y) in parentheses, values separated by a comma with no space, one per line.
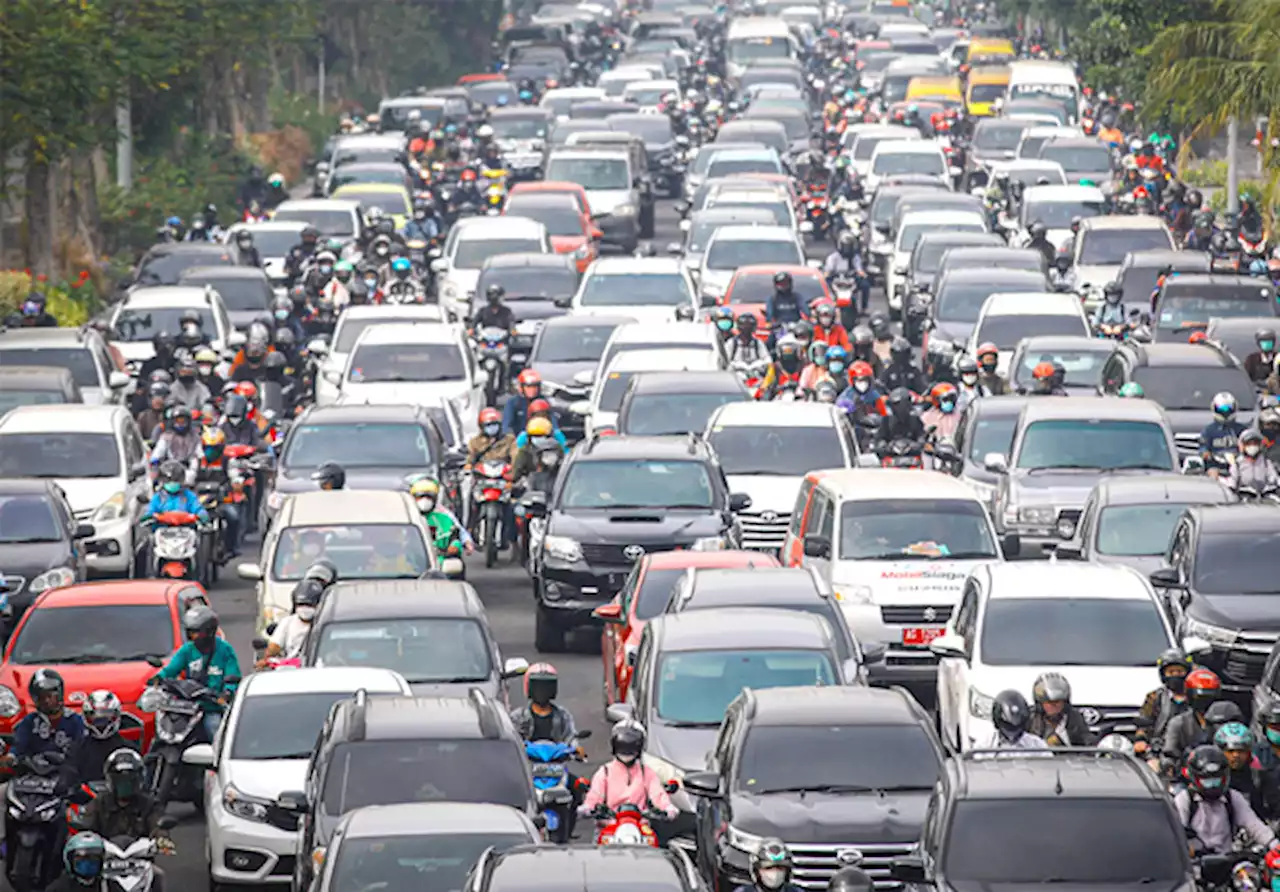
(1197,337)
(1043,371)
(539,405)
(861,369)
(489,415)
(248,390)
(1203,680)
(987,348)
(467,175)
(529,378)
(942,390)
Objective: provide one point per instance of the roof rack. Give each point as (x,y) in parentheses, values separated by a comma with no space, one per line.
(359,722)
(485,712)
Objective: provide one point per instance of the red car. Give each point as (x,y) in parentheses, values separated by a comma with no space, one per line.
(97,635)
(570,229)
(644,596)
(750,287)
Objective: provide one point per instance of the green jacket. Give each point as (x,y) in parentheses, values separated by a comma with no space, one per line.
(444,526)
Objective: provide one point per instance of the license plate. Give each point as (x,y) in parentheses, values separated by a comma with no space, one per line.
(921,637)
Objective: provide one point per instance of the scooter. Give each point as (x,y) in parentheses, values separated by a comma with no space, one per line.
(34,829)
(130,864)
(175,548)
(548,760)
(494,353)
(179,726)
(490,489)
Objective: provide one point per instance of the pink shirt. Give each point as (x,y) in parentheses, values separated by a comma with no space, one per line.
(615,785)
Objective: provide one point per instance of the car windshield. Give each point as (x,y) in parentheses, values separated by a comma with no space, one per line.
(635,289)
(787,759)
(914,529)
(11,397)
(1137,530)
(77,360)
(1237,564)
(928,258)
(350,174)
(386,772)
(273,243)
(572,343)
(427,650)
(1084,367)
(731,253)
(753,49)
(893,163)
(592,174)
(1079,159)
(991,433)
(695,687)
(1110,842)
(260,733)
(1086,632)
(436,861)
(1191,311)
(779,211)
(239,294)
(1108,247)
(523,283)
(865,146)
(359,551)
(1193,387)
(650,128)
(647,96)
(108,633)
(727,167)
(358,446)
(701,231)
(911,234)
(471,253)
(672,414)
(350,327)
(1030,146)
(144,323)
(29,519)
(1060,214)
(782,451)
(519,128)
(1094,444)
(963,302)
(394,203)
(167,268)
(375,363)
(1000,138)
(60,454)
(655,592)
(1005,330)
(562,220)
(987,92)
(640,483)
(755,288)
(337,223)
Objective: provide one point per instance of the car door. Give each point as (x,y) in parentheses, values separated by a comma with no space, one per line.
(713,813)
(952,692)
(613,645)
(820,522)
(137,491)
(793,546)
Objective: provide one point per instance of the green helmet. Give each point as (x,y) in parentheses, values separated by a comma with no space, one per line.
(83,856)
(1132,390)
(345,266)
(842,162)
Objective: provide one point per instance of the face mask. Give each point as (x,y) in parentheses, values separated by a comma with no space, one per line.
(172,487)
(325,269)
(988,367)
(1176,683)
(235,419)
(491,430)
(86,868)
(191,330)
(186,375)
(550,459)
(205,370)
(1113,299)
(306,613)
(724,324)
(969,378)
(628,759)
(773,877)
(426,505)
(836,367)
(1252,451)
(282,315)
(371,284)
(1267,346)
(381,250)
(946,407)
(419,216)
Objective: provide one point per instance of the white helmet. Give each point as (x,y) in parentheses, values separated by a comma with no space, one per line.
(101,711)
(484,131)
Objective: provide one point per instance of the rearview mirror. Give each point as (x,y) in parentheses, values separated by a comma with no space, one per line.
(440,265)
(996,463)
(617,712)
(453,567)
(585,378)
(581,408)
(118,379)
(610,614)
(514,667)
(817,547)
(85,531)
(948,645)
(703,783)
(199,755)
(1166,577)
(674,247)
(317,347)
(292,801)
(248,571)
(739,501)
(874,651)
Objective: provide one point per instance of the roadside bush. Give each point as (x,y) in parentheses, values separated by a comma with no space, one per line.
(72,302)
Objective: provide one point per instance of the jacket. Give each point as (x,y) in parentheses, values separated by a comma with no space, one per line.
(182,500)
(907,376)
(220,672)
(109,817)
(1267,781)
(1259,366)
(1183,734)
(481,448)
(35,734)
(88,757)
(783,309)
(1258,473)
(835,336)
(1108,314)
(515,414)
(1214,828)
(556,434)
(1070,729)
(994,384)
(836,264)
(494,317)
(183,448)
(190,392)
(747,352)
(1159,708)
(245,433)
(614,785)
(892,428)
(947,423)
(562,726)
(1220,436)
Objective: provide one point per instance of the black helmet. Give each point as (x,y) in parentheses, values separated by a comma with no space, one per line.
(172,471)
(900,402)
(494,293)
(782,280)
(626,740)
(1268,716)
(847,243)
(1194,199)
(850,879)
(1037,230)
(1051,687)
(900,350)
(1207,770)
(330,474)
(160,389)
(310,235)
(1010,714)
(1220,712)
(201,622)
(47,689)
(1113,289)
(1171,657)
(162,342)
(322,571)
(880,327)
(307,593)
(1268,335)
(275,360)
(967,365)
(236,408)
(747,322)
(190,316)
(802,331)
(124,772)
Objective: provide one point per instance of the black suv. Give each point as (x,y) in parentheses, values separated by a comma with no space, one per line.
(1182,379)
(843,775)
(385,751)
(616,499)
(1111,823)
(1221,587)
(538,868)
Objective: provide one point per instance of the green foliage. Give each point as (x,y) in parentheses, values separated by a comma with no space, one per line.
(72,302)
(1205,173)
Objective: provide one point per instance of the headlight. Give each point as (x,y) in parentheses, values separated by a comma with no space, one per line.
(624,210)
(1213,634)
(708,543)
(980,705)
(743,842)
(562,548)
(854,594)
(49,811)
(665,770)
(58,577)
(275,500)
(111,509)
(9,705)
(150,700)
(173,544)
(1066,528)
(1037,516)
(243,806)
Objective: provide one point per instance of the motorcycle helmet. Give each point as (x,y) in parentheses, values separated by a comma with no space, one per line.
(1219,713)
(782,281)
(491,421)
(541,684)
(530,384)
(426,494)
(1269,720)
(275,362)
(1037,231)
(944,397)
(824,313)
(818,353)
(180,419)
(747,324)
(322,571)
(1251,443)
(1266,339)
(1206,771)
(47,689)
(171,476)
(900,403)
(101,711)
(401,267)
(967,367)
(722,318)
(236,409)
(158,390)
(862,375)
(1010,714)
(1116,743)
(493,294)
(213,441)
(1132,390)
(847,244)
(83,856)
(851,879)
(900,351)
(988,357)
(1043,375)
(539,407)
(626,741)
(202,627)
(1051,687)
(802,331)
(1224,406)
(771,864)
(1234,736)
(1202,687)
(790,354)
(330,475)
(1173,665)
(878,325)
(1269,423)
(124,773)
(837,360)
(1112,292)
(826,392)
(863,340)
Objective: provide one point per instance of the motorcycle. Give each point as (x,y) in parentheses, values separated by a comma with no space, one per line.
(490,489)
(493,350)
(179,726)
(175,548)
(1231,872)
(404,291)
(1270,494)
(34,831)
(629,825)
(902,453)
(548,760)
(844,286)
(130,865)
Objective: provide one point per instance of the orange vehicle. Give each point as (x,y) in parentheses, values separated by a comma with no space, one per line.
(571,230)
(644,596)
(750,287)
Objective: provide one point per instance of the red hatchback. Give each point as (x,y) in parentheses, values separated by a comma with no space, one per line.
(644,596)
(750,287)
(97,635)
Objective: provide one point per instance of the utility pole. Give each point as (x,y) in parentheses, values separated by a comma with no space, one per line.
(1233,168)
(124,143)
(320,54)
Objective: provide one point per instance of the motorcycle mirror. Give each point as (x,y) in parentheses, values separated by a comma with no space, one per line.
(155,662)
(167,822)
(583,734)
(259,643)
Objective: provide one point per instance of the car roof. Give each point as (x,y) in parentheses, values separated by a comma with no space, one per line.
(774,415)
(1149,488)
(1009,303)
(665,359)
(376,188)
(427,312)
(324,679)
(25,486)
(1027,580)
(44,337)
(751,587)
(27,375)
(356,413)
(907,147)
(163,296)
(726,213)
(691,381)
(437,819)
(215,272)
(1252,518)
(634,265)
(881,483)
(295,226)
(1123,221)
(1074,142)
(572,321)
(1157,258)
(543,867)
(501,227)
(1185,279)
(126,591)
(952,215)
(530,259)
(574,153)
(754,233)
(1176,355)
(964,238)
(1093,407)
(829,704)
(166,248)
(1100,775)
(1081,343)
(429,718)
(400,598)
(319,204)
(347,506)
(648,448)
(633,332)
(409,333)
(1063,193)
(1015,279)
(683,560)
(740,627)
(63,418)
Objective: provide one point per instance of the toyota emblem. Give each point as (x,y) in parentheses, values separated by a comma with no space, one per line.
(633,552)
(1090,715)
(849,857)
(769,517)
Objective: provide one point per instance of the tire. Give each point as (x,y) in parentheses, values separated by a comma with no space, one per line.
(164,784)
(490,535)
(647,221)
(491,389)
(548,635)
(20,872)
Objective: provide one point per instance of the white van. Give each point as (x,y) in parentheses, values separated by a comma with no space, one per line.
(758,40)
(1040,79)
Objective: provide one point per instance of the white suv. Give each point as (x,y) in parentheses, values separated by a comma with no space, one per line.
(1101,627)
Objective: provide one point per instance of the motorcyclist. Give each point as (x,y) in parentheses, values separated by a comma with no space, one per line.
(815,370)
(1054,718)
(83,858)
(126,807)
(33,313)
(862,398)
(542,718)
(494,313)
(1111,311)
(1190,728)
(540,408)
(239,428)
(746,349)
(1261,362)
(1252,469)
(423,226)
(900,423)
(941,414)
(1012,717)
(846,261)
(249,254)
(188,389)
(784,371)
(1044,381)
(771,868)
(515,414)
(162,344)
(449,534)
(330,476)
(403,284)
(1166,702)
(51,727)
(901,372)
(277,194)
(174,495)
(253,188)
(969,387)
(179,443)
(250,361)
(206,371)
(290,634)
(1266,754)
(865,348)
(301,253)
(881,337)
(493,443)
(208,659)
(1220,436)
(625,779)
(1202,233)
(988,356)
(213,469)
(468,190)
(1040,241)
(86,762)
(1236,742)
(1269,427)
(826,328)
(151,419)
(1211,811)
(783,306)
(722,318)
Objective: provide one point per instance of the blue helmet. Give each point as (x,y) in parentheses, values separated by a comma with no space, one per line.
(722,317)
(401,265)
(837,354)
(175,220)
(503,99)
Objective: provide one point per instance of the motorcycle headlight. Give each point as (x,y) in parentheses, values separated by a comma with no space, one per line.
(562,548)
(58,577)
(243,806)
(980,705)
(150,700)
(111,509)
(1213,634)
(48,811)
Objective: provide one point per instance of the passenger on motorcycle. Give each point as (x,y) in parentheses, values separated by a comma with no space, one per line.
(771,868)
(151,419)
(815,371)
(846,261)
(1054,718)
(249,255)
(722,318)
(515,414)
(330,476)
(402,283)
(1111,310)
(1211,811)
(784,371)
(1040,241)
(625,779)
(1236,742)
(542,718)
(449,534)
(208,659)
(866,348)
(87,759)
(82,857)
(1012,717)
(941,414)
(300,254)
(969,387)
(1221,435)
(1261,362)
(988,356)
(1251,468)
(1188,730)
(901,422)
(825,327)
(1166,702)
(746,348)
(540,408)
(52,727)
(125,808)
(494,313)
(289,636)
(179,442)
(901,372)
(187,389)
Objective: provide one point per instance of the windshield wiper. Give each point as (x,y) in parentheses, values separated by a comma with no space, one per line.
(138,658)
(680,724)
(84,659)
(457,679)
(838,788)
(27,541)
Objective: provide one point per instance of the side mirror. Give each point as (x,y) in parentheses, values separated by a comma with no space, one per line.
(249,572)
(674,248)
(292,801)
(806,227)
(900,270)
(333,376)
(948,645)
(707,301)
(581,408)
(739,501)
(322,167)
(199,755)
(440,265)
(84,531)
(610,614)
(453,567)
(515,667)
(259,643)
(1011,546)
(535,509)
(454,462)
(563,303)
(617,712)
(813,263)
(118,379)
(703,783)
(317,347)
(155,661)
(817,547)
(908,869)
(136,470)
(1193,465)
(996,463)
(874,651)
(1166,577)
(143,497)
(585,378)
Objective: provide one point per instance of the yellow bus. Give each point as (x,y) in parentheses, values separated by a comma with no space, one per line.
(986,85)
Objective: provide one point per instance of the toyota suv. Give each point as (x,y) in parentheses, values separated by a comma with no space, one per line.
(616,499)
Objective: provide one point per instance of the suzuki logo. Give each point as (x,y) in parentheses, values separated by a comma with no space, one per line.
(930,614)
(1090,715)
(633,552)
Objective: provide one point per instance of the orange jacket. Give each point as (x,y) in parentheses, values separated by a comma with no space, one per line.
(835,336)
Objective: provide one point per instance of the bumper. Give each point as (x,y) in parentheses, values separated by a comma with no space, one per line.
(572,591)
(624,232)
(243,851)
(111,550)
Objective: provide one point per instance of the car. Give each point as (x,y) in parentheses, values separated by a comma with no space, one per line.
(259,756)
(862,147)
(535,286)
(1216,590)
(663,494)
(648,289)
(1140,270)
(367,173)
(987,425)
(914,225)
(621,202)
(378,446)
(659,138)
(1034,137)
(994,139)
(1006,319)
(1002,258)
(335,218)
(1100,626)
(649,94)
(164,263)
(98,369)
(472,241)
(699,228)
(1101,245)
(348,149)
(1186,303)
(960,295)
(1061,448)
(36,385)
(917,276)
(387,842)
(1085,160)
(97,635)
(771,134)
(696,172)
(147,312)
(675,403)
(1237,335)
(386,750)
(729,162)
(752,285)
(820,802)
(1130,520)
(565,353)
(766,449)
(878,222)
(367,534)
(39,541)
(601,409)
(273,239)
(738,192)
(657,336)
(645,595)
(1030,172)
(734,245)
(352,322)
(570,230)
(532,868)
(1058,208)
(893,157)
(521,134)
(933,200)
(1115,818)
(102,450)
(433,632)
(246,291)
(413,362)
(560,99)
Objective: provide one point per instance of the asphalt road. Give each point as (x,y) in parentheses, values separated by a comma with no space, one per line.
(507,595)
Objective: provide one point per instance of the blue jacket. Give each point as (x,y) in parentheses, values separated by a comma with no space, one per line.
(1220,436)
(784,314)
(214,672)
(183,500)
(35,734)
(515,415)
(426,230)
(859,403)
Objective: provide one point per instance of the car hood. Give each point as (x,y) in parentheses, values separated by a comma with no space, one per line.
(777,494)
(126,680)
(1095,276)
(399,393)
(526,310)
(135,351)
(686,748)
(1257,613)
(1142,564)
(638,312)
(603,201)
(907,582)
(1090,685)
(267,778)
(833,817)
(949,330)
(293,480)
(991,156)
(241,319)
(464,280)
(562,372)
(458,689)
(30,559)
(87,493)
(719,278)
(661,527)
(1061,489)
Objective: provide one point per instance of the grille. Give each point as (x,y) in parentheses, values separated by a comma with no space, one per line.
(814,864)
(916,616)
(765,532)
(1108,719)
(613,554)
(1189,443)
(1248,657)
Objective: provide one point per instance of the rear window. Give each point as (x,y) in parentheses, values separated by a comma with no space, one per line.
(167,268)
(77,360)
(1192,305)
